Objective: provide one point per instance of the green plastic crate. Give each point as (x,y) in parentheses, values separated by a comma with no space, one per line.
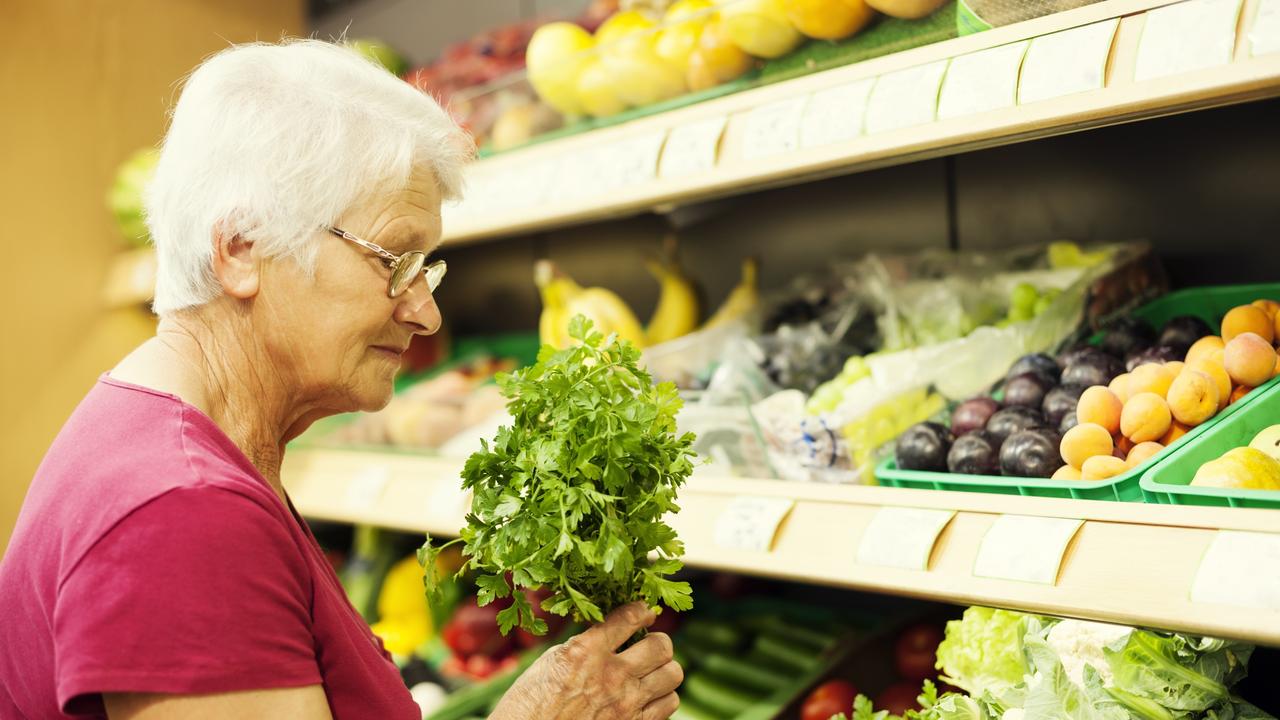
(1208,303)
(1169,481)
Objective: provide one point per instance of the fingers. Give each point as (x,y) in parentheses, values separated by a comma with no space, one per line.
(662,708)
(663,681)
(620,624)
(651,653)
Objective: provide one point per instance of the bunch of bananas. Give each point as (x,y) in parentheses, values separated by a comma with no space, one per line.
(562,299)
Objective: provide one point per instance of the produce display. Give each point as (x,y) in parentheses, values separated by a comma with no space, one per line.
(1098,411)
(1253,467)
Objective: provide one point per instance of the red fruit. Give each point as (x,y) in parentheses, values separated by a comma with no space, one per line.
(481,666)
(509,663)
(473,630)
(830,698)
(453,667)
(916,652)
(898,698)
(526,639)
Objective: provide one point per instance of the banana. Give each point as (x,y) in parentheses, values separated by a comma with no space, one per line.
(562,299)
(742,300)
(678,308)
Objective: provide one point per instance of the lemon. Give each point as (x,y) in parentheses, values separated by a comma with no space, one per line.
(682,26)
(760,27)
(829,19)
(596,91)
(557,53)
(628,47)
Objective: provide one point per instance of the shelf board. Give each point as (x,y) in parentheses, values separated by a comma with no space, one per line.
(1129,563)
(1120,100)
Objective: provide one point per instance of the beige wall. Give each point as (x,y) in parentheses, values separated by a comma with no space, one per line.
(84,83)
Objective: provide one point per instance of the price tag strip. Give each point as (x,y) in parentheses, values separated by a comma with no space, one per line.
(905,98)
(366,488)
(981,81)
(1264,36)
(835,114)
(1240,569)
(1068,62)
(691,148)
(750,523)
(902,537)
(1188,36)
(632,161)
(773,129)
(1026,548)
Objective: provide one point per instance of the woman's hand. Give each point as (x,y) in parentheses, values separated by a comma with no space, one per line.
(587,678)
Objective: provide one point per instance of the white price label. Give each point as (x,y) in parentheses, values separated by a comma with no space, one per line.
(981,81)
(750,523)
(902,537)
(835,114)
(773,129)
(905,98)
(634,161)
(1023,547)
(366,487)
(1240,569)
(1068,62)
(1264,36)
(1190,35)
(691,148)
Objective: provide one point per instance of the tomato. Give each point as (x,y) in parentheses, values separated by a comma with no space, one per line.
(916,652)
(829,698)
(473,630)
(481,666)
(899,697)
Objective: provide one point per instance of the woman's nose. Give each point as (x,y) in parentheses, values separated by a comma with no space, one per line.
(416,309)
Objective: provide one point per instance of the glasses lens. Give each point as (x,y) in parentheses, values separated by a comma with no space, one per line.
(405,271)
(435,273)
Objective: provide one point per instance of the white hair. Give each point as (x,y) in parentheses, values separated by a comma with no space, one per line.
(274,142)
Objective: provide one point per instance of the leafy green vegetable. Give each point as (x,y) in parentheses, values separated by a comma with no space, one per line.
(982,652)
(1177,672)
(571,497)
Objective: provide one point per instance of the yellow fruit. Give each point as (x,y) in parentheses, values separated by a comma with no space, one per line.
(1247,318)
(1243,467)
(683,24)
(1270,307)
(1175,366)
(627,43)
(912,9)
(596,91)
(1145,417)
(1066,472)
(1249,359)
(1193,397)
(1119,386)
(1102,467)
(1268,441)
(1238,393)
(1100,406)
(1176,430)
(742,301)
(828,19)
(563,299)
(1084,441)
(1142,452)
(760,27)
(1149,377)
(557,53)
(678,309)
(716,60)
(1203,346)
(1211,364)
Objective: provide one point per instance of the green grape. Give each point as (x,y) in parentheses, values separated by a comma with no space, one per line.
(1024,296)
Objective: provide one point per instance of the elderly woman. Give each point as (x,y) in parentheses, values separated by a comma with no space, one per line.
(158,569)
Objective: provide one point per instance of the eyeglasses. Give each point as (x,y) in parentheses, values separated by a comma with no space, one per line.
(404,268)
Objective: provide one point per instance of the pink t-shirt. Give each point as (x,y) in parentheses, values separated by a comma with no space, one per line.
(151,556)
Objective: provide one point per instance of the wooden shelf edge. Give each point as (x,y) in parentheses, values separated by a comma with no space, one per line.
(1130,563)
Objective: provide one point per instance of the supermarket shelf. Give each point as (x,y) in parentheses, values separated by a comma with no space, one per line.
(542,186)
(1128,563)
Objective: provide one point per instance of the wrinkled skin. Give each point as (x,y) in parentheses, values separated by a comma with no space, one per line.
(586,678)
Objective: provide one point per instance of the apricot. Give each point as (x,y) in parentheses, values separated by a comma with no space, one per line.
(1149,377)
(1249,359)
(1083,442)
(1247,318)
(1176,430)
(1145,417)
(1270,307)
(1100,406)
(1211,365)
(1120,386)
(1193,397)
(1143,452)
(1101,467)
(1066,472)
(1123,445)
(1175,366)
(1239,392)
(1202,346)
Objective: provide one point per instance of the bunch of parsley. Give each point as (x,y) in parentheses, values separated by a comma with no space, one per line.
(571,497)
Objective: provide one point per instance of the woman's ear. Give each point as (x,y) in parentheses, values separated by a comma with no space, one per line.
(235,263)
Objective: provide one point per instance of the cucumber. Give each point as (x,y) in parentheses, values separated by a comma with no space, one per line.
(783,650)
(744,673)
(690,710)
(718,696)
(801,634)
(714,633)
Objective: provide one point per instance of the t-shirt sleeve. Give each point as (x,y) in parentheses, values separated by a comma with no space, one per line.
(201,590)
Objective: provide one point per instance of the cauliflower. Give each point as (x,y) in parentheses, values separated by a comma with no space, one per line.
(1080,642)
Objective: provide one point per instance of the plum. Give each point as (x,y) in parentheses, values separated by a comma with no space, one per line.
(972,414)
(1092,370)
(1060,401)
(1031,453)
(977,453)
(1079,353)
(1155,354)
(1068,421)
(1037,363)
(1012,419)
(1027,390)
(1127,335)
(1183,331)
(924,446)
